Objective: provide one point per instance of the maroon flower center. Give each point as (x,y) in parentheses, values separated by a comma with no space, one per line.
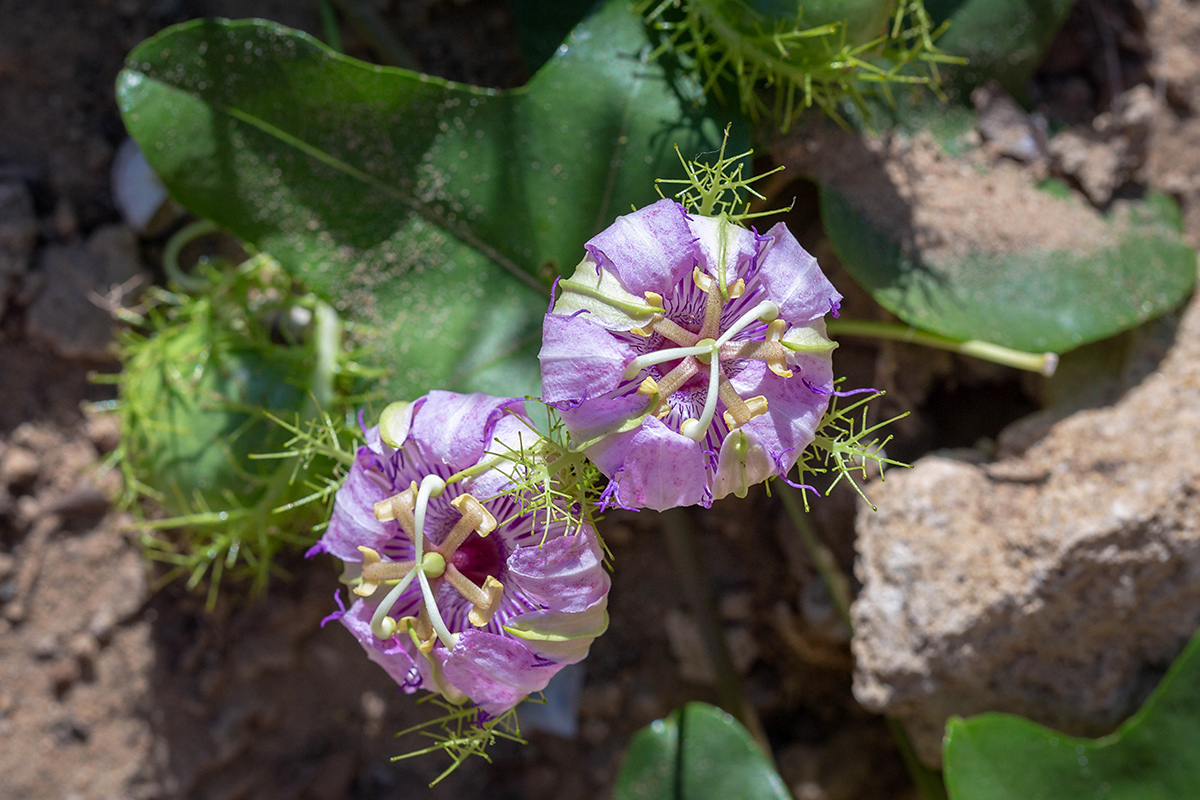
(478,558)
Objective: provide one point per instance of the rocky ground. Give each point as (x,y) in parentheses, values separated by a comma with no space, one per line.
(1072,520)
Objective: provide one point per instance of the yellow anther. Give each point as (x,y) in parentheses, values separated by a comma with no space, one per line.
(367,587)
(755,407)
(648,387)
(779,369)
(421,631)
(398,507)
(703,280)
(737,289)
(482,613)
(471,509)
(777,358)
(654,300)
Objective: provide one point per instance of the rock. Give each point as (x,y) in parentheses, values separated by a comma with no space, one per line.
(1006,126)
(79,284)
(19,467)
(1057,584)
(1106,154)
(104,432)
(18,233)
(1090,158)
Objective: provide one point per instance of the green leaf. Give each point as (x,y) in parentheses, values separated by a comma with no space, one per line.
(431,213)
(1153,756)
(1001,39)
(1036,299)
(697,753)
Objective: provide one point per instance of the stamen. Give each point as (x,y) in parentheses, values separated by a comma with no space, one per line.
(421,631)
(674,380)
(399,508)
(648,387)
(673,331)
(712,315)
(702,279)
(465,586)
(482,614)
(375,571)
(474,518)
(736,413)
(482,521)
(770,350)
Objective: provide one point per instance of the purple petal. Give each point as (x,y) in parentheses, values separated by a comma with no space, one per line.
(353,522)
(579,359)
(650,250)
(496,672)
(793,280)
(456,428)
(563,638)
(661,469)
(737,472)
(714,233)
(794,412)
(565,574)
(387,653)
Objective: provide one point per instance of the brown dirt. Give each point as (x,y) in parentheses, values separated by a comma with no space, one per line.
(943,206)
(108,690)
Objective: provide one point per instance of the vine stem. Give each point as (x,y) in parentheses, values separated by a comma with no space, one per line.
(677,526)
(827,568)
(928,782)
(1043,363)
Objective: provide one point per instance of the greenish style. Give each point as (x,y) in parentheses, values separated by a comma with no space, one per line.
(1001,39)
(1152,756)
(697,753)
(1036,300)
(432,215)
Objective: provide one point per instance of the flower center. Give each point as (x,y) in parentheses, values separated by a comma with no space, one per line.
(479,559)
(704,350)
(465,560)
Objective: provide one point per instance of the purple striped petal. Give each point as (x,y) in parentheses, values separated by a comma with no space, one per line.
(651,248)
(793,279)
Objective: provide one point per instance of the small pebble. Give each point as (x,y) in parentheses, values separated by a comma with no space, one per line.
(104,432)
(46,647)
(64,675)
(103,623)
(20,467)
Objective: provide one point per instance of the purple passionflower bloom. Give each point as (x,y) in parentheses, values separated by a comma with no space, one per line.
(688,357)
(459,591)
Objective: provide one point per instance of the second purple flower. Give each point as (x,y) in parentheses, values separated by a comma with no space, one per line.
(688,357)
